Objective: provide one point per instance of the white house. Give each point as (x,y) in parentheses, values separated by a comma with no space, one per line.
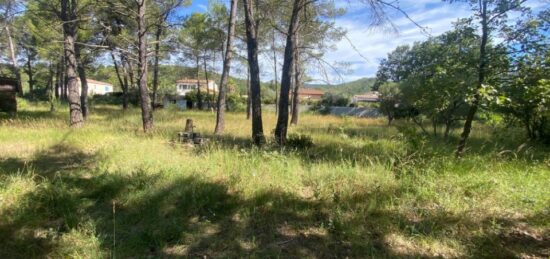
(94,87)
(98,87)
(183,86)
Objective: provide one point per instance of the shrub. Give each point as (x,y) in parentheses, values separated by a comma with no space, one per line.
(299,141)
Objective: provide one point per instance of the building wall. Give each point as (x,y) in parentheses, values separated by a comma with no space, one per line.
(94,89)
(184,88)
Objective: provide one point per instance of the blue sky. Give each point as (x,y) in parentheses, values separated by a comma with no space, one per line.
(374,43)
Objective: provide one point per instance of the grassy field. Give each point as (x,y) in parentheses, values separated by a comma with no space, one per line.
(362,190)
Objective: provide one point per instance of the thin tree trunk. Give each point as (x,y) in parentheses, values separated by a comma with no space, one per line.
(83,83)
(30,74)
(275,74)
(14,60)
(481,80)
(58,80)
(128,78)
(199,94)
(156,64)
(448,124)
(123,82)
(69,31)
(282,118)
(131,73)
(51,87)
(255,90)
(146,110)
(221,104)
(207,84)
(297,79)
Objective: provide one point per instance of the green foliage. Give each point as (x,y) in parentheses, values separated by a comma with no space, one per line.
(438,76)
(235,103)
(329,100)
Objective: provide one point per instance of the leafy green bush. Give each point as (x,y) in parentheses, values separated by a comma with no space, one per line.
(235,103)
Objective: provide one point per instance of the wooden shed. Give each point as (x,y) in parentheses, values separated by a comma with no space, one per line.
(8,92)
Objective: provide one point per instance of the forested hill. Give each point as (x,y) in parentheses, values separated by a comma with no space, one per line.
(350,88)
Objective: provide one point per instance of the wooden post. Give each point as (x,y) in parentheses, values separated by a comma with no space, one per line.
(189,125)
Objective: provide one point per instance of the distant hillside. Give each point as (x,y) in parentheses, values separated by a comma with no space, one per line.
(349,89)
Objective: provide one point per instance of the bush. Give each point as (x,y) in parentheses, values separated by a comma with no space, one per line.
(299,141)
(235,103)
(329,100)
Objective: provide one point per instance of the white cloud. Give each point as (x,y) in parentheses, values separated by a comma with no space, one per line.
(375,43)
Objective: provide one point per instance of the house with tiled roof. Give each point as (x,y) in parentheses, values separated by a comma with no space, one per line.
(184,86)
(310,94)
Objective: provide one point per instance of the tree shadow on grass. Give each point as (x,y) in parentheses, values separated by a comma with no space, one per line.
(154,214)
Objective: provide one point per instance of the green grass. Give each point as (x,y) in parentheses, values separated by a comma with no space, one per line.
(362,190)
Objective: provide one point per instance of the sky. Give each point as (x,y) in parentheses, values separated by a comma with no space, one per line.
(365,45)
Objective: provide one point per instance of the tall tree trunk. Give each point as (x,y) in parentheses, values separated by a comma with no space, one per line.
(123,82)
(146,110)
(255,90)
(14,60)
(481,80)
(297,82)
(158,33)
(130,68)
(50,89)
(199,93)
(448,124)
(209,102)
(83,82)
(69,31)
(275,74)
(30,74)
(221,104)
(128,80)
(248,99)
(282,118)
(58,75)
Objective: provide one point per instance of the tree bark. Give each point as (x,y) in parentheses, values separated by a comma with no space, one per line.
(481,80)
(146,110)
(68,16)
(221,104)
(248,100)
(128,80)
(297,82)
(14,60)
(51,87)
(83,83)
(199,93)
(158,33)
(275,74)
(255,90)
(30,74)
(58,80)
(123,82)
(282,118)
(207,85)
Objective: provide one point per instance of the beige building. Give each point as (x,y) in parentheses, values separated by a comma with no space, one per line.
(184,86)
(95,87)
